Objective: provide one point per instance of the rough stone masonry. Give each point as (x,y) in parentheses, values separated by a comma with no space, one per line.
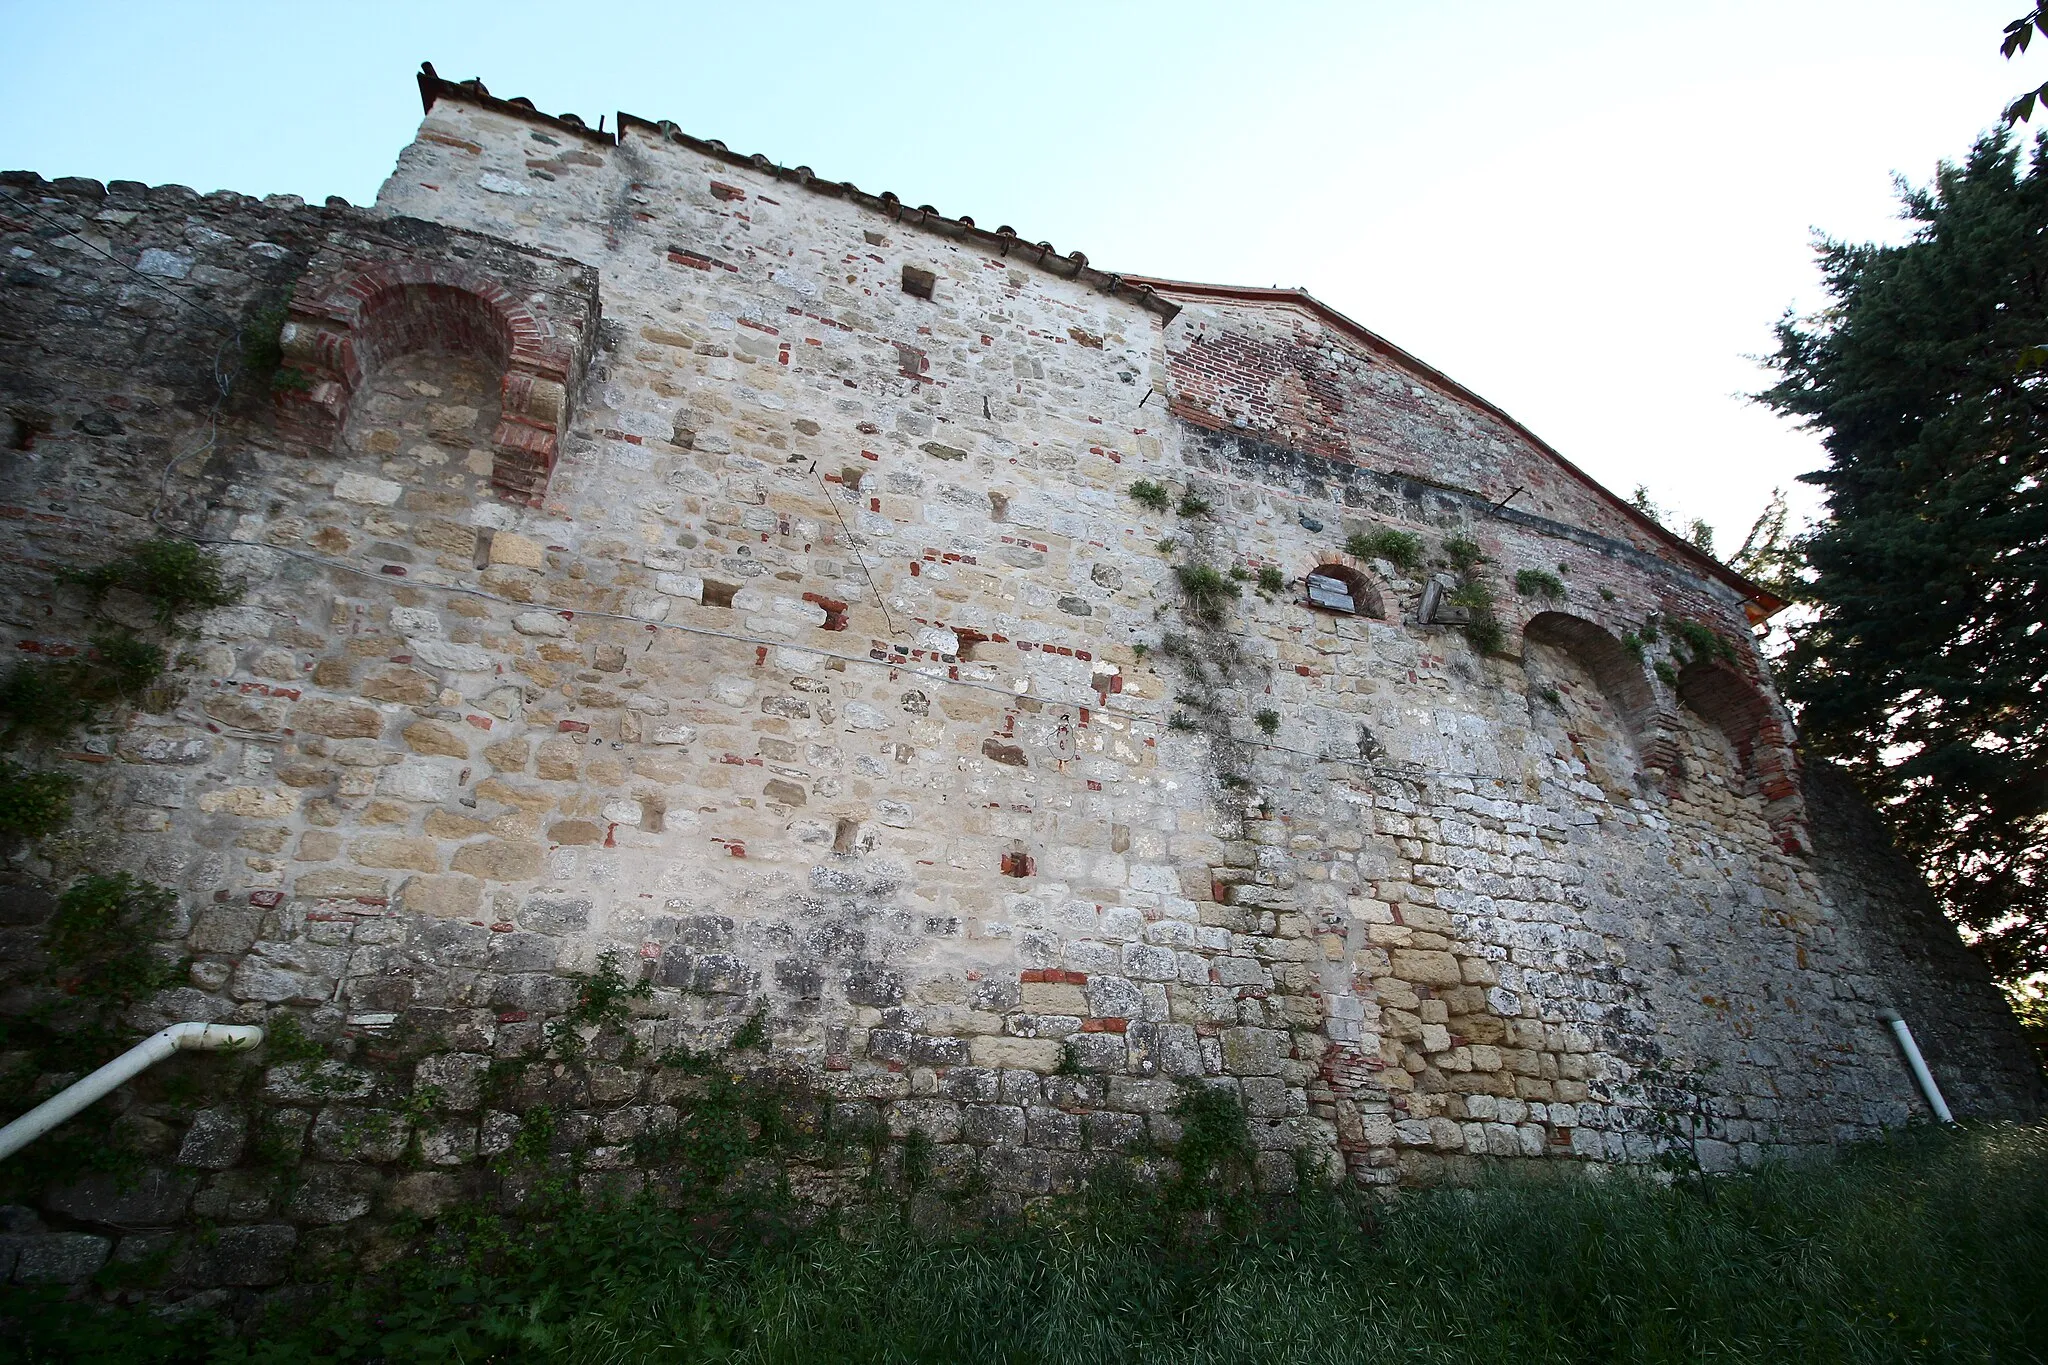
(658,551)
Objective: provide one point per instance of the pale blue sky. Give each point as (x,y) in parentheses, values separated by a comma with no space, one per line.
(1588,212)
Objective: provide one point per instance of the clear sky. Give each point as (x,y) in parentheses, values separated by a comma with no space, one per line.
(1591,213)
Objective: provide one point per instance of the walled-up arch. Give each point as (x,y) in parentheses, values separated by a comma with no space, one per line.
(529,319)
(1617,674)
(1756,729)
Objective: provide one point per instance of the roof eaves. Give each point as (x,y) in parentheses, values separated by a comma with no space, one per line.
(1004,241)
(1759,603)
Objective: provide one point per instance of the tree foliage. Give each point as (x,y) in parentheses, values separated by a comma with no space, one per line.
(1925,668)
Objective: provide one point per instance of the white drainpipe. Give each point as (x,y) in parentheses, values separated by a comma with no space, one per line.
(1928,1088)
(137,1059)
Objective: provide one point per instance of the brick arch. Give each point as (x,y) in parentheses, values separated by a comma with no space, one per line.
(1618,674)
(340,329)
(1365,594)
(1735,705)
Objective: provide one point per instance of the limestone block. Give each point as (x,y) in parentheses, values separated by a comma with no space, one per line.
(366,489)
(541,623)
(432,737)
(447,654)
(397,850)
(1054,997)
(445,897)
(684,585)
(417,780)
(443,824)
(245,713)
(215,1140)
(528,799)
(557,760)
(254,803)
(338,719)
(346,1133)
(416,622)
(1427,967)
(1041,1055)
(404,686)
(339,882)
(500,860)
(328,1195)
(647,606)
(516,551)
(1253,1051)
(60,1258)
(508,755)
(224,929)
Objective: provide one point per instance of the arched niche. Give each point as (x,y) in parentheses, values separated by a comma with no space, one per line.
(1756,731)
(344,325)
(1341,589)
(1617,672)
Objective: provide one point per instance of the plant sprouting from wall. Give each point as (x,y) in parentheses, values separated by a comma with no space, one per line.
(1207,592)
(1474,594)
(1402,549)
(173,576)
(602,999)
(1152,496)
(1538,583)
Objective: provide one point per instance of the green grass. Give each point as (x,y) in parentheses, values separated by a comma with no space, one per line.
(1931,1246)
(1402,549)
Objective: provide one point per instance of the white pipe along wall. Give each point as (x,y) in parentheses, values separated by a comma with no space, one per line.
(133,1062)
(1919,1064)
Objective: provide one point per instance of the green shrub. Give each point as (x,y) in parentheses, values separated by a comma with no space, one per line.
(1932,1246)
(1702,641)
(32,803)
(174,576)
(601,1000)
(1207,591)
(1538,583)
(1400,548)
(1152,496)
(1271,580)
(123,664)
(43,697)
(100,943)
(1268,720)
(1666,672)
(1484,630)
(1463,554)
(262,342)
(1193,505)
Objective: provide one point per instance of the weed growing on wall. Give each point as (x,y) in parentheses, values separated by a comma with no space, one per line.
(1702,642)
(1151,496)
(174,576)
(1538,583)
(601,1000)
(1402,549)
(1932,1245)
(33,804)
(46,700)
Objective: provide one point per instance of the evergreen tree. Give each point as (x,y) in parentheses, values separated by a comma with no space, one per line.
(1925,668)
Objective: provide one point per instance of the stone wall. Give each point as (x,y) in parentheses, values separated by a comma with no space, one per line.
(803,650)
